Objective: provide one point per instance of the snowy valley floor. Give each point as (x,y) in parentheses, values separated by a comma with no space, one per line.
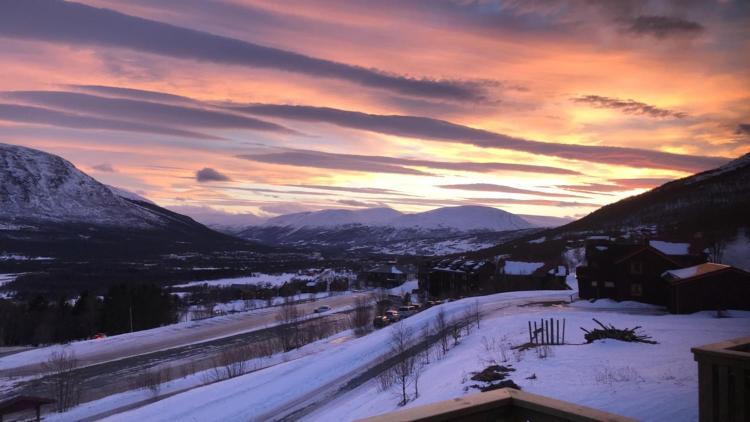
(644,381)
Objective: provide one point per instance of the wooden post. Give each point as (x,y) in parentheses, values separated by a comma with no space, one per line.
(530,338)
(535,334)
(557,337)
(563,330)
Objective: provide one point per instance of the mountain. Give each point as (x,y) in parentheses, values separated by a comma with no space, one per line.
(387,231)
(48,207)
(335,217)
(221,221)
(716,199)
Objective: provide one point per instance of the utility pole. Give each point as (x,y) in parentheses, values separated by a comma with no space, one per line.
(131,317)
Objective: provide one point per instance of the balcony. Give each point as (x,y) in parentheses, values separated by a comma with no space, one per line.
(501,405)
(724,380)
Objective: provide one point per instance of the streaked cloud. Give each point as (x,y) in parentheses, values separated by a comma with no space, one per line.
(105,167)
(441,130)
(629,107)
(44,116)
(491,187)
(381,164)
(62,22)
(137,110)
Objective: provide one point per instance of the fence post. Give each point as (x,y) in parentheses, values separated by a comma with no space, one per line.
(563,330)
(530,338)
(557,338)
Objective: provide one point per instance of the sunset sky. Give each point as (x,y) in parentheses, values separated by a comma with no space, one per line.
(268,107)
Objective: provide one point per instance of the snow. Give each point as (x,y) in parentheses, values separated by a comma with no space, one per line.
(670,248)
(694,270)
(539,240)
(407,287)
(462,218)
(17,257)
(7,278)
(42,186)
(521,268)
(643,381)
(275,280)
(259,395)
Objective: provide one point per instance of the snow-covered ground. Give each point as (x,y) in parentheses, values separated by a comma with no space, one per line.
(7,278)
(275,280)
(645,381)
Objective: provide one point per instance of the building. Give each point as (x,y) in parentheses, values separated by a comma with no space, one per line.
(386,275)
(521,275)
(707,286)
(455,277)
(631,271)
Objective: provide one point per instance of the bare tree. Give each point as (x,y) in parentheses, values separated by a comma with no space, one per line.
(362,317)
(403,370)
(66,384)
(289,332)
(476,313)
(440,328)
(152,379)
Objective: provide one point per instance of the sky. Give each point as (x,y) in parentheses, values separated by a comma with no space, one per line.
(551,107)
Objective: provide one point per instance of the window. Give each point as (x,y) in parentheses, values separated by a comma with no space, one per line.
(594,284)
(636,267)
(610,284)
(636,289)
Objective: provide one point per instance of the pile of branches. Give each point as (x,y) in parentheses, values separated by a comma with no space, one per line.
(622,334)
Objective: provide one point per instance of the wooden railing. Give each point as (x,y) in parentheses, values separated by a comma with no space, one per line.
(724,380)
(505,404)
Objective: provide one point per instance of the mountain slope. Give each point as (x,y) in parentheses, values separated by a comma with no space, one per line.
(48,207)
(384,230)
(714,199)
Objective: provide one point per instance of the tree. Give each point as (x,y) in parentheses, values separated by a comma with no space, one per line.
(288,318)
(440,328)
(362,317)
(62,366)
(403,370)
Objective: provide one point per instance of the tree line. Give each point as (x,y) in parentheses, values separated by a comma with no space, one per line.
(122,309)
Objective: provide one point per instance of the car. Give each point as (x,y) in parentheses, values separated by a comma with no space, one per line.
(98,336)
(407,310)
(392,315)
(321,309)
(380,321)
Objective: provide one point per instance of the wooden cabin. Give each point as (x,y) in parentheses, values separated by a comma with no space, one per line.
(630,271)
(707,286)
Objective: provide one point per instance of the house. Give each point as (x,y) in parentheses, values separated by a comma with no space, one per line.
(455,277)
(521,275)
(707,286)
(386,275)
(631,271)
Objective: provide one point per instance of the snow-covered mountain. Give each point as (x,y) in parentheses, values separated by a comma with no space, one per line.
(385,230)
(335,217)
(460,219)
(37,186)
(48,205)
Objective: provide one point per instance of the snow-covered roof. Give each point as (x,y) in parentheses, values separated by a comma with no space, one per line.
(560,270)
(696,270)
(521,268)
(670,248)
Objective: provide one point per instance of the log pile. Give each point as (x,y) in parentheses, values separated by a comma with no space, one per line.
(622,334)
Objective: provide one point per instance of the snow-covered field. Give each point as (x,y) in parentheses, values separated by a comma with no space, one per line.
(275,280)
(645,381)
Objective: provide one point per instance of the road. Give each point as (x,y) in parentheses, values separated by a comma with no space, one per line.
(95,352)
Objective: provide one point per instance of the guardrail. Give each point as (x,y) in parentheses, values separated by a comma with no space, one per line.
(724,380)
